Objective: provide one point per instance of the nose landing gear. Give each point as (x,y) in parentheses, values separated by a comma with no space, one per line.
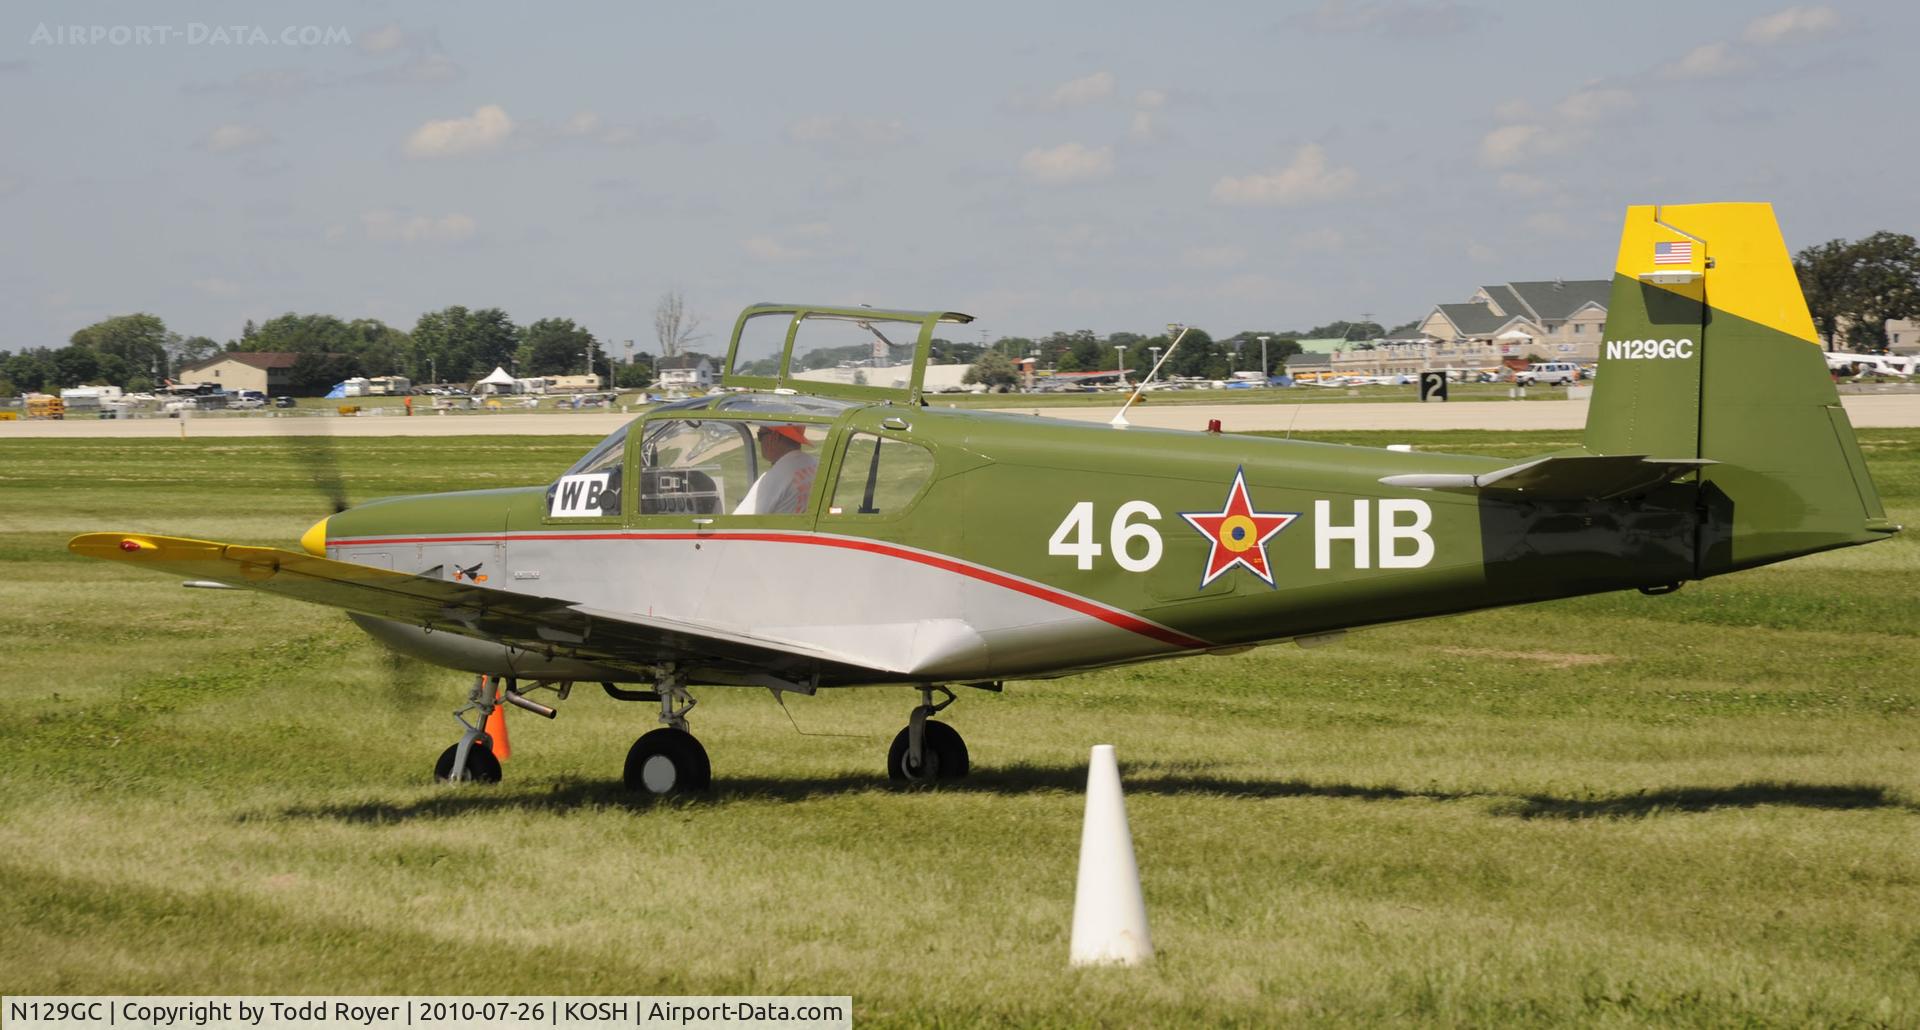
(471,760)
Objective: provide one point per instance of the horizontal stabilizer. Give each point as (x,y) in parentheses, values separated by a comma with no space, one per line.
(1582,477)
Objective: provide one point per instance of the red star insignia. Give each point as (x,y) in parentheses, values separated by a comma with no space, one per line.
(1238,533)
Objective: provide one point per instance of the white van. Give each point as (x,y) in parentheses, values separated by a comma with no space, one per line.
(1548,372)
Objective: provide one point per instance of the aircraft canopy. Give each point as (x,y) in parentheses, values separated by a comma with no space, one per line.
(852,352)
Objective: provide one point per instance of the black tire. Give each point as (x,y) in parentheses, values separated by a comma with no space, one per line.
(482,767)
(945,756)
(668,762)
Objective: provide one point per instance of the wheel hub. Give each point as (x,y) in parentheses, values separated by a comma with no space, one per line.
(659,774)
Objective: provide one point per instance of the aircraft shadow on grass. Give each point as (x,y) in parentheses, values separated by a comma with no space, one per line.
(568,794)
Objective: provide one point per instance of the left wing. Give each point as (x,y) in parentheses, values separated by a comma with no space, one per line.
(543,625)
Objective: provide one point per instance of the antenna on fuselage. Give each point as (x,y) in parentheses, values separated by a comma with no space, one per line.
(1120,419)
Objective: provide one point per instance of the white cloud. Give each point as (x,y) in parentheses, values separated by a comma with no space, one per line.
(486,129)
(1709,61)
(834,130)
(583,124)
(214,286)
(229,138)
(1508,144)
(1068,162)
(1595,105)
(1794,21)
(388,226)
(1080,92)
(1150,99)
(386,38)
(1515,111)
(1307,178)
(1141,128)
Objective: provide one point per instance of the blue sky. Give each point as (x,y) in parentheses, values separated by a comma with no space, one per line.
(1106,165)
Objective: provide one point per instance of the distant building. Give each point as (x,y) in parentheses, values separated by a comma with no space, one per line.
(684,373)
(1559,320)
(575,384)
(266,371)
(1903,335)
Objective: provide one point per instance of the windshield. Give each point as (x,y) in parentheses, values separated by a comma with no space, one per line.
(591,487)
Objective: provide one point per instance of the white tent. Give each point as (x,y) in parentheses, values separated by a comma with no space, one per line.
(497,381)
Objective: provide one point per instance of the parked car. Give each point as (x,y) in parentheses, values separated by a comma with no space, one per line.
(1549,373)
(283,401)
(247,399)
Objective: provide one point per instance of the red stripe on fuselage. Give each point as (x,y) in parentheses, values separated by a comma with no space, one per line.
(1113,616)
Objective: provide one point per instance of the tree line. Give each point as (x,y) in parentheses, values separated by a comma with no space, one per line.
(1199,355)
(138,352)
(1854,288)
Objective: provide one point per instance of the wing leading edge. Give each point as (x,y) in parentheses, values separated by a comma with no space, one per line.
(543,625)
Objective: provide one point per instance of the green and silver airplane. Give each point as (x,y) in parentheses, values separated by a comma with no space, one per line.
(817,529)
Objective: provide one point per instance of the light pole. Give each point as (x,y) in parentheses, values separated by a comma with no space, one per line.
(1266,370)
(1121,348)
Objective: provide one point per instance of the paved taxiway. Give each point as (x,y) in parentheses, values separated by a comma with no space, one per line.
(1866,411)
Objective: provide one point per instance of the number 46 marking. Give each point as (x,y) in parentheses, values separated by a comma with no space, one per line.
(1073,538)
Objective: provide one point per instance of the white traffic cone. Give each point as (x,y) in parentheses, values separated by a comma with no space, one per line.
(1109,914)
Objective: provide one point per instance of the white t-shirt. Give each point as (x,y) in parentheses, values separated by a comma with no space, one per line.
(785,488)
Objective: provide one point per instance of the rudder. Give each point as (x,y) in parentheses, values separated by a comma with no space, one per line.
(1709,352)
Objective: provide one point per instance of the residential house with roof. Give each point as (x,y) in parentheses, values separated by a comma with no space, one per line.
(1557,319)
(684,372)
(269,372)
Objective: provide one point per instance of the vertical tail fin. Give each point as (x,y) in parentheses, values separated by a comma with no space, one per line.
(1709,352)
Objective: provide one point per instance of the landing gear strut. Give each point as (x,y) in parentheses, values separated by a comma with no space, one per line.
(669,760)
(471,760)
(926,751)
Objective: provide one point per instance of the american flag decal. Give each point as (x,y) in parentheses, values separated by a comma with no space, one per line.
(1673,253)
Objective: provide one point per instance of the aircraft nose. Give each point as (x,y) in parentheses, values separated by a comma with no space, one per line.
(314,540)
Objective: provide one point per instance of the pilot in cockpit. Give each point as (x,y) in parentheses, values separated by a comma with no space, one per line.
(786,486)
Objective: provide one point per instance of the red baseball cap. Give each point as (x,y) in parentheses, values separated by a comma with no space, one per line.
(797,434)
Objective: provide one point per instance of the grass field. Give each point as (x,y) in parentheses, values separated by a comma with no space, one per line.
(1701,809)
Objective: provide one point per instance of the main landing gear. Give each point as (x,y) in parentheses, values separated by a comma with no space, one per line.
(927,751)
(669,760)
